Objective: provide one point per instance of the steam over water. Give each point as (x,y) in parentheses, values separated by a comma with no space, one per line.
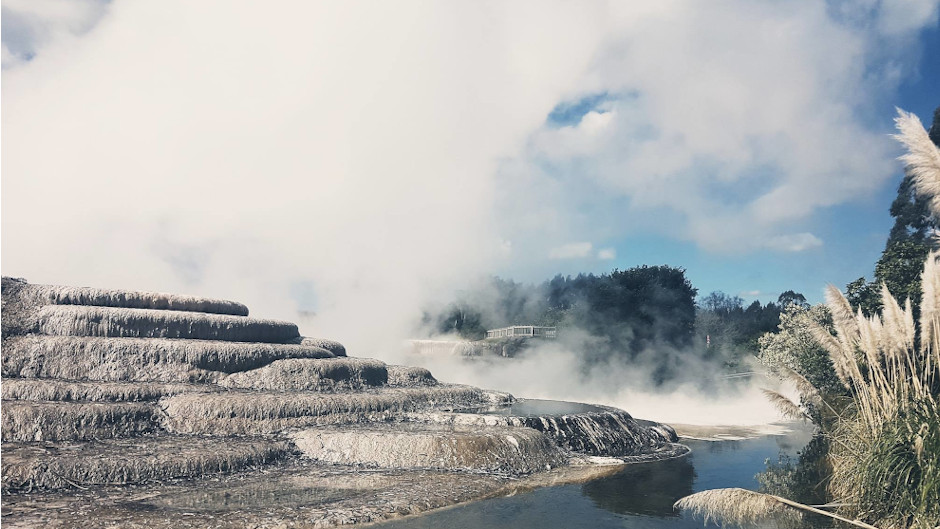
(550,371)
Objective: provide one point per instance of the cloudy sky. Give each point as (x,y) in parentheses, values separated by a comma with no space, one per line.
(358,159)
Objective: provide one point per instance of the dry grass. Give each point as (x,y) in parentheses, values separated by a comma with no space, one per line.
(245,412)
(130,299)
(410,376)
(740,507)
(885,443)
(60,421)
(77,320)
(140,359)
(512,451)
(68,391)
(881,467)
(330,374)
(128,461)
(878,360)
(785,406)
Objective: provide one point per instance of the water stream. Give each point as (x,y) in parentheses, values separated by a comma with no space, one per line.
(640,496)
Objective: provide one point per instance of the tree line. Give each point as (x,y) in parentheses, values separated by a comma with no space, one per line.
(645,314)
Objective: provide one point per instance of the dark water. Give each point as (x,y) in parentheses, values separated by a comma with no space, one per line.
(537,408)
(641,496)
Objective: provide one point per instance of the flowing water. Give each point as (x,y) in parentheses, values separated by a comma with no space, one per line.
(641,496)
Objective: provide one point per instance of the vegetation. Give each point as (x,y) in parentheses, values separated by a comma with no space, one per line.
(883,425)
(803,479)
(647,310)
(908,244)
(730,332)
(795,348)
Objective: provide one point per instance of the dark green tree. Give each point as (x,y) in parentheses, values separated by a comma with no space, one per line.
(729,331)
(791,298)
(907,247)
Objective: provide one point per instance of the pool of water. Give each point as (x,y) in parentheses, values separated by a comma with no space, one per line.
(641,496)
(536,408)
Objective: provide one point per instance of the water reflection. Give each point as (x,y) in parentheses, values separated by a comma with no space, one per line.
(648,490)
(290,492)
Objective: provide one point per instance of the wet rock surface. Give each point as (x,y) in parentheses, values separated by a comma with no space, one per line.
(293,492)
(139,409)
(510,451)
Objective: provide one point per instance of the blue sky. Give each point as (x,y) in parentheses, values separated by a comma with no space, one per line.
(853,233)
(363,160)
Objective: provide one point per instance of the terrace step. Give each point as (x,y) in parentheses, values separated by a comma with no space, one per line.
(140,359)
(297,374)
(44,389)
(78,320)
(603,432)
(408,376)
(262,412)
(410,445)
(50,466)
(129,299)
(26,421)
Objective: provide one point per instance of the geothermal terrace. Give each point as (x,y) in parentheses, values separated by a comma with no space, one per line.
(139,409)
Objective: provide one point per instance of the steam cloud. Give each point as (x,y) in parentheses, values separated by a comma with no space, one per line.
(356,161)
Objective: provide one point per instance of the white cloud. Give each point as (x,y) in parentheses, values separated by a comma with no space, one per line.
(727,125)
(796,242)
(31,25)
(750,293)
(350,146)
(573,250)
(607,254)
(381,152)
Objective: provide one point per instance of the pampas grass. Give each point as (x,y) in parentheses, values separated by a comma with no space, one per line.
(885,443)
(330,374)
(748,508)
(77,320)
(140,359)
(740,507)
(69,391)
(130,461)
(59,421)
(807,390)
(880,468)
(785,406)
(130,299)
(922,158)
(879,361)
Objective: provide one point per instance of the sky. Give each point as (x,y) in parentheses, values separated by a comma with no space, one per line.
(356,161)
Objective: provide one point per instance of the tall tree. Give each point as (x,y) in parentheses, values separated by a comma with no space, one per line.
(908,244)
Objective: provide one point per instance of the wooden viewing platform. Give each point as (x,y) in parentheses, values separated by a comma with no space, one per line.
(522,330)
